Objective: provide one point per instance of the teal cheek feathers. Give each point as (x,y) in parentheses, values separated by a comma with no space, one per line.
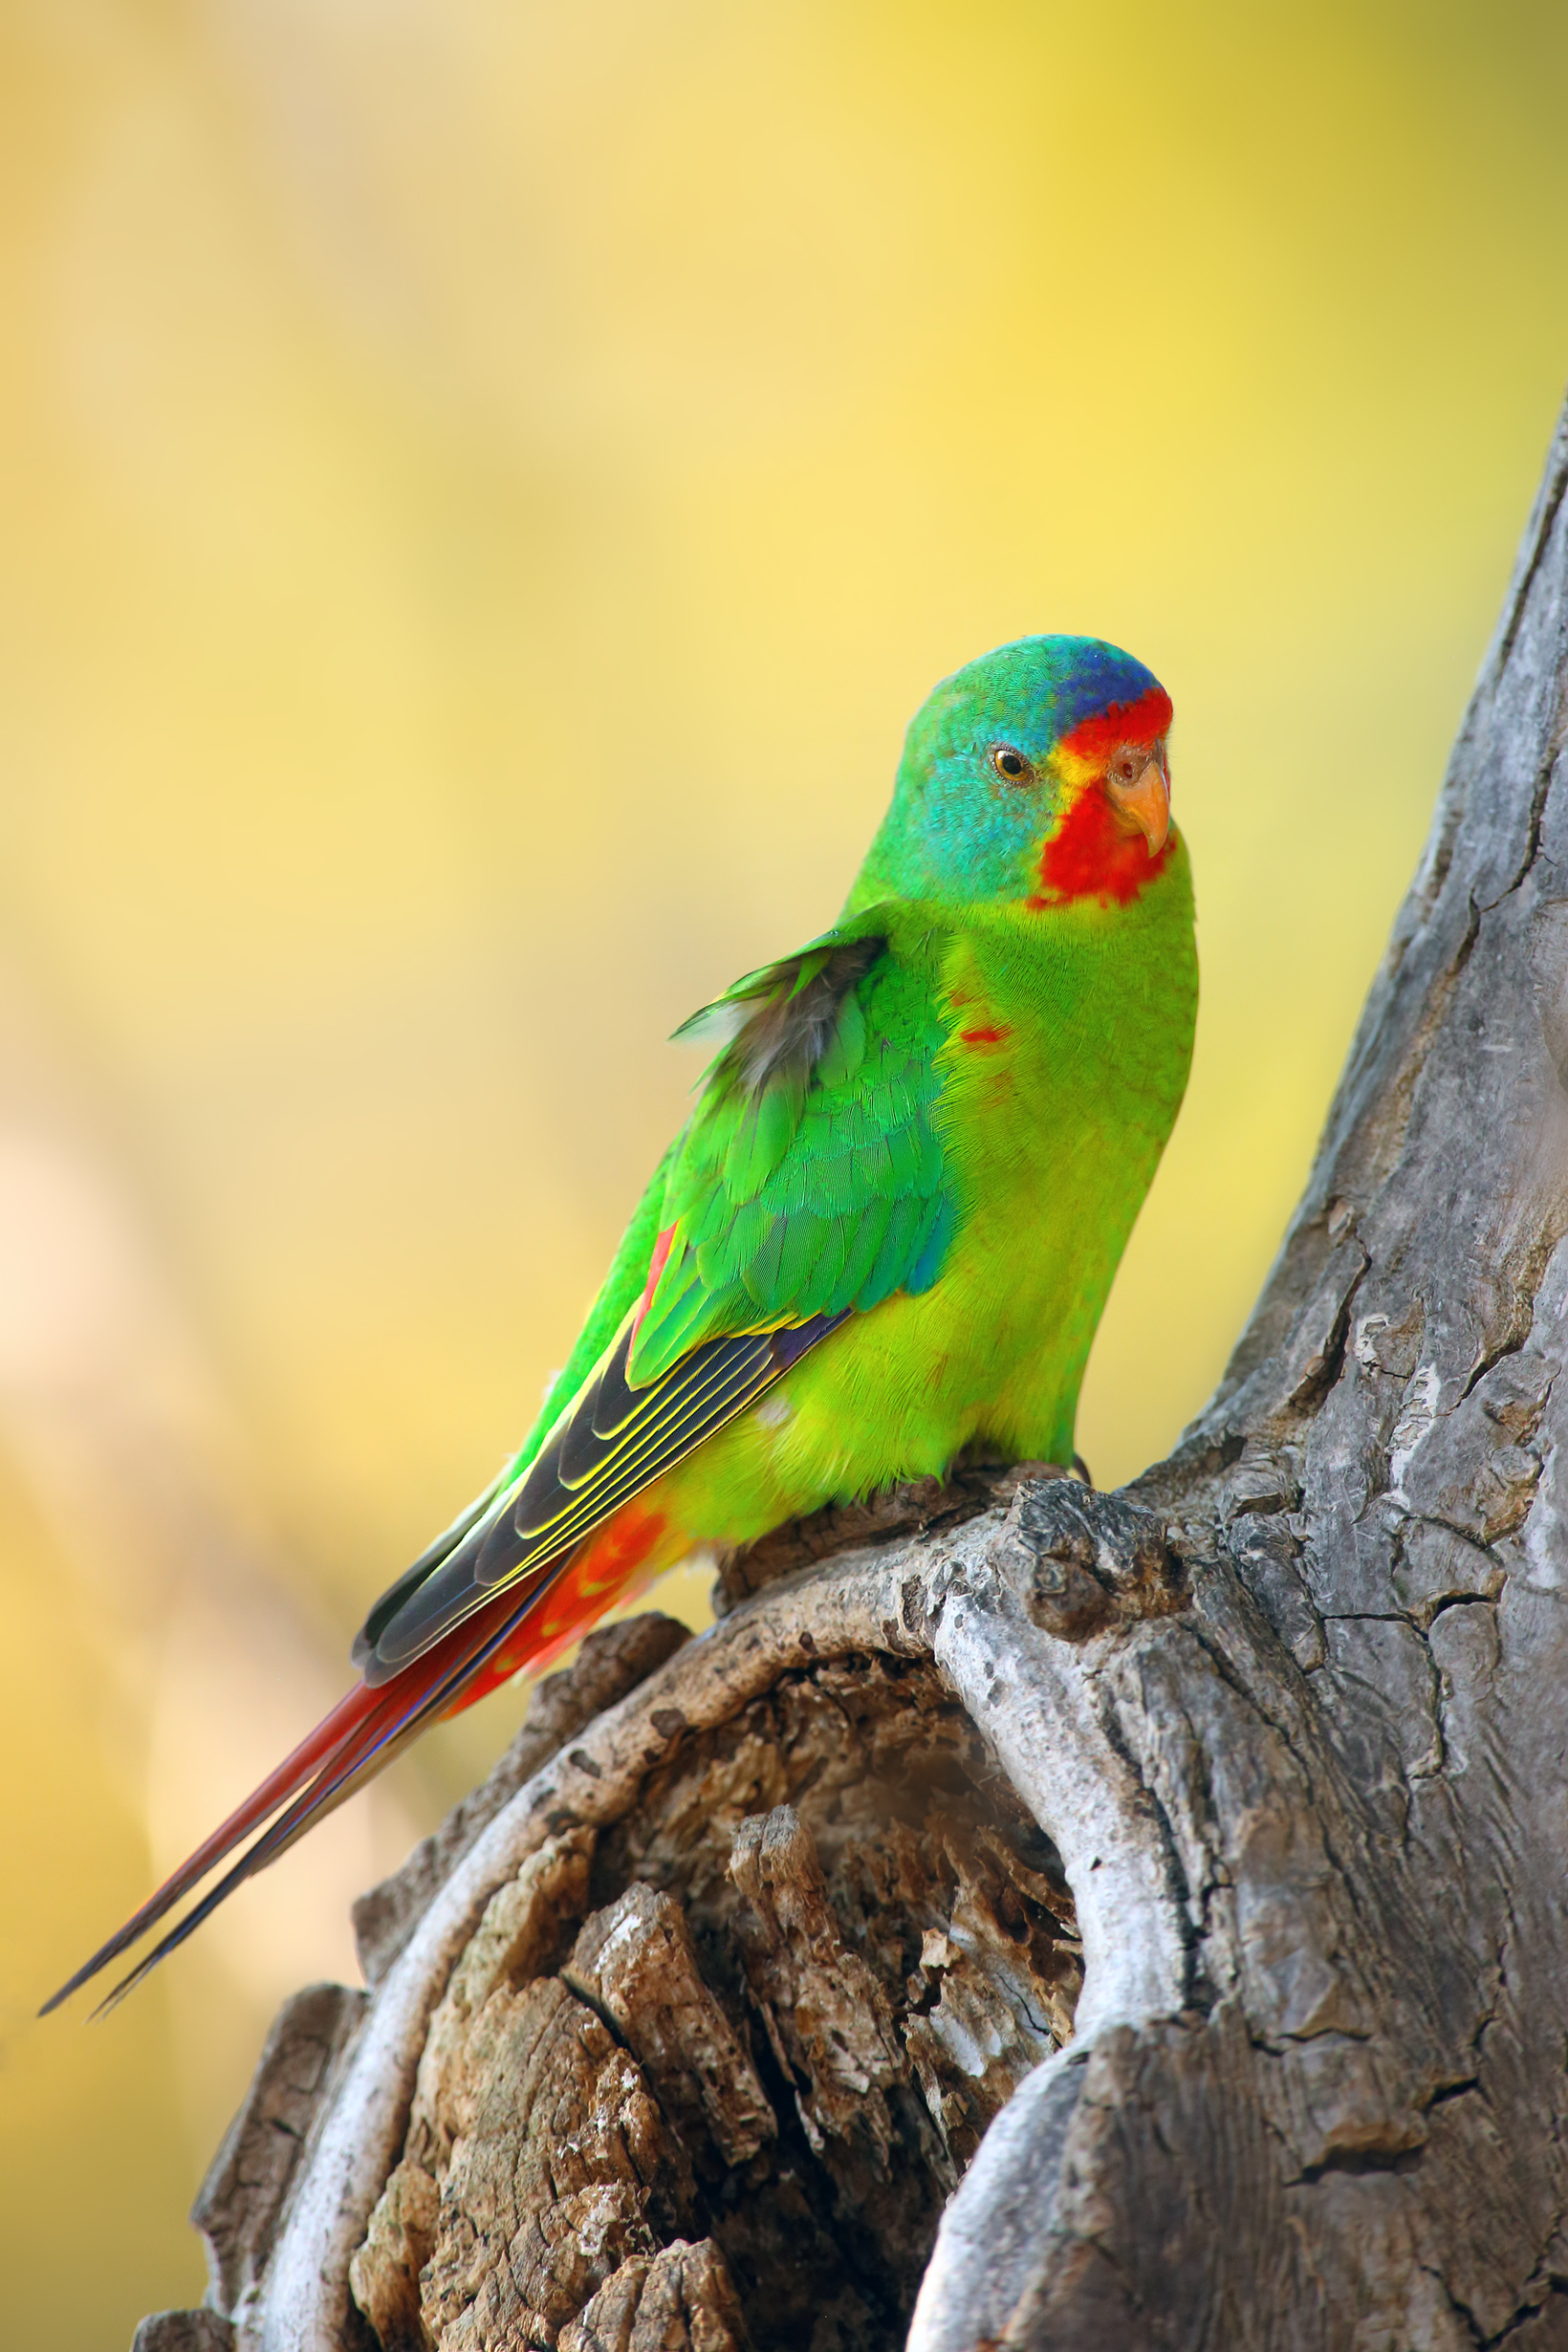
(956,833)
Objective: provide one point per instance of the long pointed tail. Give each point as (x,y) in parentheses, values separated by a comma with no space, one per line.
(361,1735)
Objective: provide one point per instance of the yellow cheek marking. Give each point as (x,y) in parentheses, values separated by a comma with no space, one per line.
(1074,769)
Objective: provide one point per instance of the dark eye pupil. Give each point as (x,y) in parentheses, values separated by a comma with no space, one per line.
(1010,763)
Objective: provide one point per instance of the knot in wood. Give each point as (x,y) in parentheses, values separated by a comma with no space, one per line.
(1082,1562)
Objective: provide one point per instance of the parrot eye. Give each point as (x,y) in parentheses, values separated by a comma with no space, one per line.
(1127,767)
(1011,765)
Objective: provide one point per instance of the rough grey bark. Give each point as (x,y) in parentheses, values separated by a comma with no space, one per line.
(753,2015)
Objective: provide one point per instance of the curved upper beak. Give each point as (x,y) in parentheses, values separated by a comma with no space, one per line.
(1145,807)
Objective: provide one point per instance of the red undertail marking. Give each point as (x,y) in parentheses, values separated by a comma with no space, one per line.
(604,1571)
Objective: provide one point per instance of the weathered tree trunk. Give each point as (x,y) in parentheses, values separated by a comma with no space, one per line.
(745,2009)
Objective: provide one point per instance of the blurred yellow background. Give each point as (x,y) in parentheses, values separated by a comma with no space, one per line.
(482,489)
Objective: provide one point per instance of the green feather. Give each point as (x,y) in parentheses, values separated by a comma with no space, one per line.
(847,1051)
(865,1243)
(897,1251)
(803,1236)
(760,1137)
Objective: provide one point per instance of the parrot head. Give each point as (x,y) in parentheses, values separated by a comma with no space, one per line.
(1038,774)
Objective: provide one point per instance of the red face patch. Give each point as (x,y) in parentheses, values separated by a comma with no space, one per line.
(1092,857)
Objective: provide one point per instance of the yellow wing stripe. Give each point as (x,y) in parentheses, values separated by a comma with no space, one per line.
(542,1517)
(661,1444)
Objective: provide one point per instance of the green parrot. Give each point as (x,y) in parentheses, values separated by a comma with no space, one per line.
(886,1234)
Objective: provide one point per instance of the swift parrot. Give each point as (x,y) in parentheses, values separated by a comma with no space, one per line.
(885,1232)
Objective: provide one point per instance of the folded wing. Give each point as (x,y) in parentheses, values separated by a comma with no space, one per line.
(809,1183)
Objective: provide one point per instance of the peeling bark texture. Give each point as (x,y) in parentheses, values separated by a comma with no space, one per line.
(246,2189)
(184,2331)
(1034,1918)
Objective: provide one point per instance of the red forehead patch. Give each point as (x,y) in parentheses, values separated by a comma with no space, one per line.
(1141,722)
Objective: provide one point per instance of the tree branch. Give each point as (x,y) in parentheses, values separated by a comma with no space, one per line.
(753,2014)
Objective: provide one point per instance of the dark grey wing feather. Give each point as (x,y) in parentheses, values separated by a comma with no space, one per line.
(618,1440)
(430,1558)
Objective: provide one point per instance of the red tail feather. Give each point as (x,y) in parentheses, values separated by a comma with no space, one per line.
(347,1748)
(367,1728)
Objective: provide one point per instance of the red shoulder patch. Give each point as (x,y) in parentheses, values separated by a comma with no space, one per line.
(661,1252)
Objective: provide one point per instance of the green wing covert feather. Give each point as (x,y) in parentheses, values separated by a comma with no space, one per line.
(811,1178)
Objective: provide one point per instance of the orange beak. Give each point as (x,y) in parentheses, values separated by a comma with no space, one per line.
(1143,807)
